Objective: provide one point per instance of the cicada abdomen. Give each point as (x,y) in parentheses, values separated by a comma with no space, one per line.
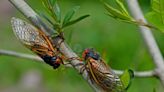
(100,73)
(37,41)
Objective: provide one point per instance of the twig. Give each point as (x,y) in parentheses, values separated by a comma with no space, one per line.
(149,39)
(138,74)
(36,58)
(22,6)
(20,55)
(25,56)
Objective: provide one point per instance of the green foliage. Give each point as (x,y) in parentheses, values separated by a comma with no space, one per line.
(74,21)
(126,78)
(158,7)
(70,14)
(51,6)
(156,16)
(53,10)
(119,13)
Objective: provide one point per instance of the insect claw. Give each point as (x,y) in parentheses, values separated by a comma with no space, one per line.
(75,58)
(82,69)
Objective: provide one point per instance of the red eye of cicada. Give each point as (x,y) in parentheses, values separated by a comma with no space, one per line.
(90,53)
(36,40)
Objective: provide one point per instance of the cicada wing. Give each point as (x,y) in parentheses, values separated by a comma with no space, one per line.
(106,78)
(27,34)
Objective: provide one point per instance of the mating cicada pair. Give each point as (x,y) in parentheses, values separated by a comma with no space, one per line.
(100,73)
(34,39)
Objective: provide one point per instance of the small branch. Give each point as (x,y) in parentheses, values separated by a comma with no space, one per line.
(138,74)
(149,39)
(20,55)
(38,59)
(25,56)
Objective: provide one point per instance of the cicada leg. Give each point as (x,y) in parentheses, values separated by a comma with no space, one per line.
(83,68)
(62,57)
(61,60)
(74,58)
(79,64)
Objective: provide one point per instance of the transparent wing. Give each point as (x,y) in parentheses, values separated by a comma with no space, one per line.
(100,66)
(105,76)
(27,34)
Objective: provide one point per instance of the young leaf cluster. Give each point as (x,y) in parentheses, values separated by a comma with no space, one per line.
(119,13)
(55,16)
(156,16)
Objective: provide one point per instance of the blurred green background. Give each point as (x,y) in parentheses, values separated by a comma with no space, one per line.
(120,44)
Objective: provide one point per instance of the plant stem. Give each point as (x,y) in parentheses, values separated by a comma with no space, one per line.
(38,59)
(149,39)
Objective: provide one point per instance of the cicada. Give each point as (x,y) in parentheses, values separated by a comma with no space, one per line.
(100,73)
(34,39)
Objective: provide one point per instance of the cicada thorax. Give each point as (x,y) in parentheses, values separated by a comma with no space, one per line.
(37,41)
(100,73)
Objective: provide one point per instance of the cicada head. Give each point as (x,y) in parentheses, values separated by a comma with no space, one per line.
(90,53)
(54,61)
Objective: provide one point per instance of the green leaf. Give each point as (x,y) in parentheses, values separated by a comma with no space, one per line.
(155,20)
(45,4)
(75,21)
(122,7)
(57,12)
(52,2)
(116,13)
(70,14)
(158,7)
(126,78)
(156,16)
(46,18)
(54,24)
